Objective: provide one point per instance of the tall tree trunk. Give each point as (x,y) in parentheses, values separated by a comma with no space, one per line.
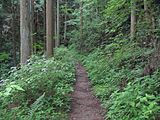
(55,22)
(65,30)
(133,19)
(36,29)
(150,20)
(32,25)
(81,25)
(13,35)
(58,26)
(65,26)
(49,27)
(25,30)
(44,23)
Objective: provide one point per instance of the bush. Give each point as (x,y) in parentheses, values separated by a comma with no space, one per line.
(138,101)
(115,75)
(39,90)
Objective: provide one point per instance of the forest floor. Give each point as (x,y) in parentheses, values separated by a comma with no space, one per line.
(84,106)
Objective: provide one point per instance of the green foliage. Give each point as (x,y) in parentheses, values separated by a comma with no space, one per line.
(4,56)
(115,75)
(4,66)
(100,24)
(4,69)
(120,9)
(138,101)
(92,27)
(39,90)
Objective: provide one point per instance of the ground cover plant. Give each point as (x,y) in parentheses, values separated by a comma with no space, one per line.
(39,90)
(119,84)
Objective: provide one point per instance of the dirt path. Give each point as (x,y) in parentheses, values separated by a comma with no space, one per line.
(85,106)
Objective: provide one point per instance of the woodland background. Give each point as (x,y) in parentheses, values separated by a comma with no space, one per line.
(118,41)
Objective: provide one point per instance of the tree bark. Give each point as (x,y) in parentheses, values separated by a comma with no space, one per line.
(65,26)
(49,28)
(13,36)
(44,24)
(58,26)
(32,25)
(55,22)
(25,30)
(133,19)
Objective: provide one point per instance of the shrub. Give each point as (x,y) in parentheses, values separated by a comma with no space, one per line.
(138,101)
(115,75)
(39,90)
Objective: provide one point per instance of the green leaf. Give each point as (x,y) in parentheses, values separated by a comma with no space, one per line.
(17,87)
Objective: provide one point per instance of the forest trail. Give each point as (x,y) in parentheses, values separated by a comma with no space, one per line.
(84,106)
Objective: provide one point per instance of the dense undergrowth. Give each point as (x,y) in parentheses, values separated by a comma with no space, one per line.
(115,73)
(39,90)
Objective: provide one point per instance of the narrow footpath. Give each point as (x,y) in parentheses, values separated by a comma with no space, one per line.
(85,106)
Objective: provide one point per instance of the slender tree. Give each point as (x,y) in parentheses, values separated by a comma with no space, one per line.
(25,30)
(58,26)
(65,24)
(55,22)
(32,24)
(150,20)
(13,34)
(81,24)
(44,24)
(133,18)
(49,27)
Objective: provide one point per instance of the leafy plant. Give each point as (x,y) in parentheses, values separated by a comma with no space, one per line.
(115,73)
(138,101)
(22,95)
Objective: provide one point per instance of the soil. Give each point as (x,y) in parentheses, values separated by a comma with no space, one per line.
(84,106)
